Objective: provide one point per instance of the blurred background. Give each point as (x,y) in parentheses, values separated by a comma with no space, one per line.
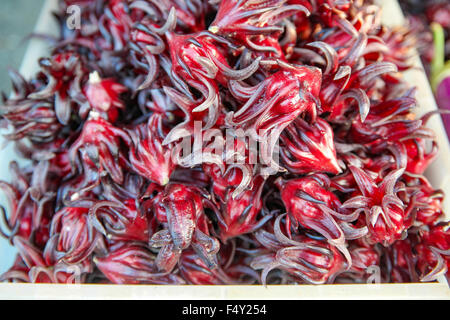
(17,21)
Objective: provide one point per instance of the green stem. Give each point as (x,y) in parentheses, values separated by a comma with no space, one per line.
(438,63)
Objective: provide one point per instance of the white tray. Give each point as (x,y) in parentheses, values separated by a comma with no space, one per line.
(439,175)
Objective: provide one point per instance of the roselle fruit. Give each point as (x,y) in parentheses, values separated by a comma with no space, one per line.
(181,209)
(223,143)
(147,155)
(103,95)
(384,211)
(133,264)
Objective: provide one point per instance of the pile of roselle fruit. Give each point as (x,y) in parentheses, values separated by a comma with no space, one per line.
(429,21)
(110,196)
